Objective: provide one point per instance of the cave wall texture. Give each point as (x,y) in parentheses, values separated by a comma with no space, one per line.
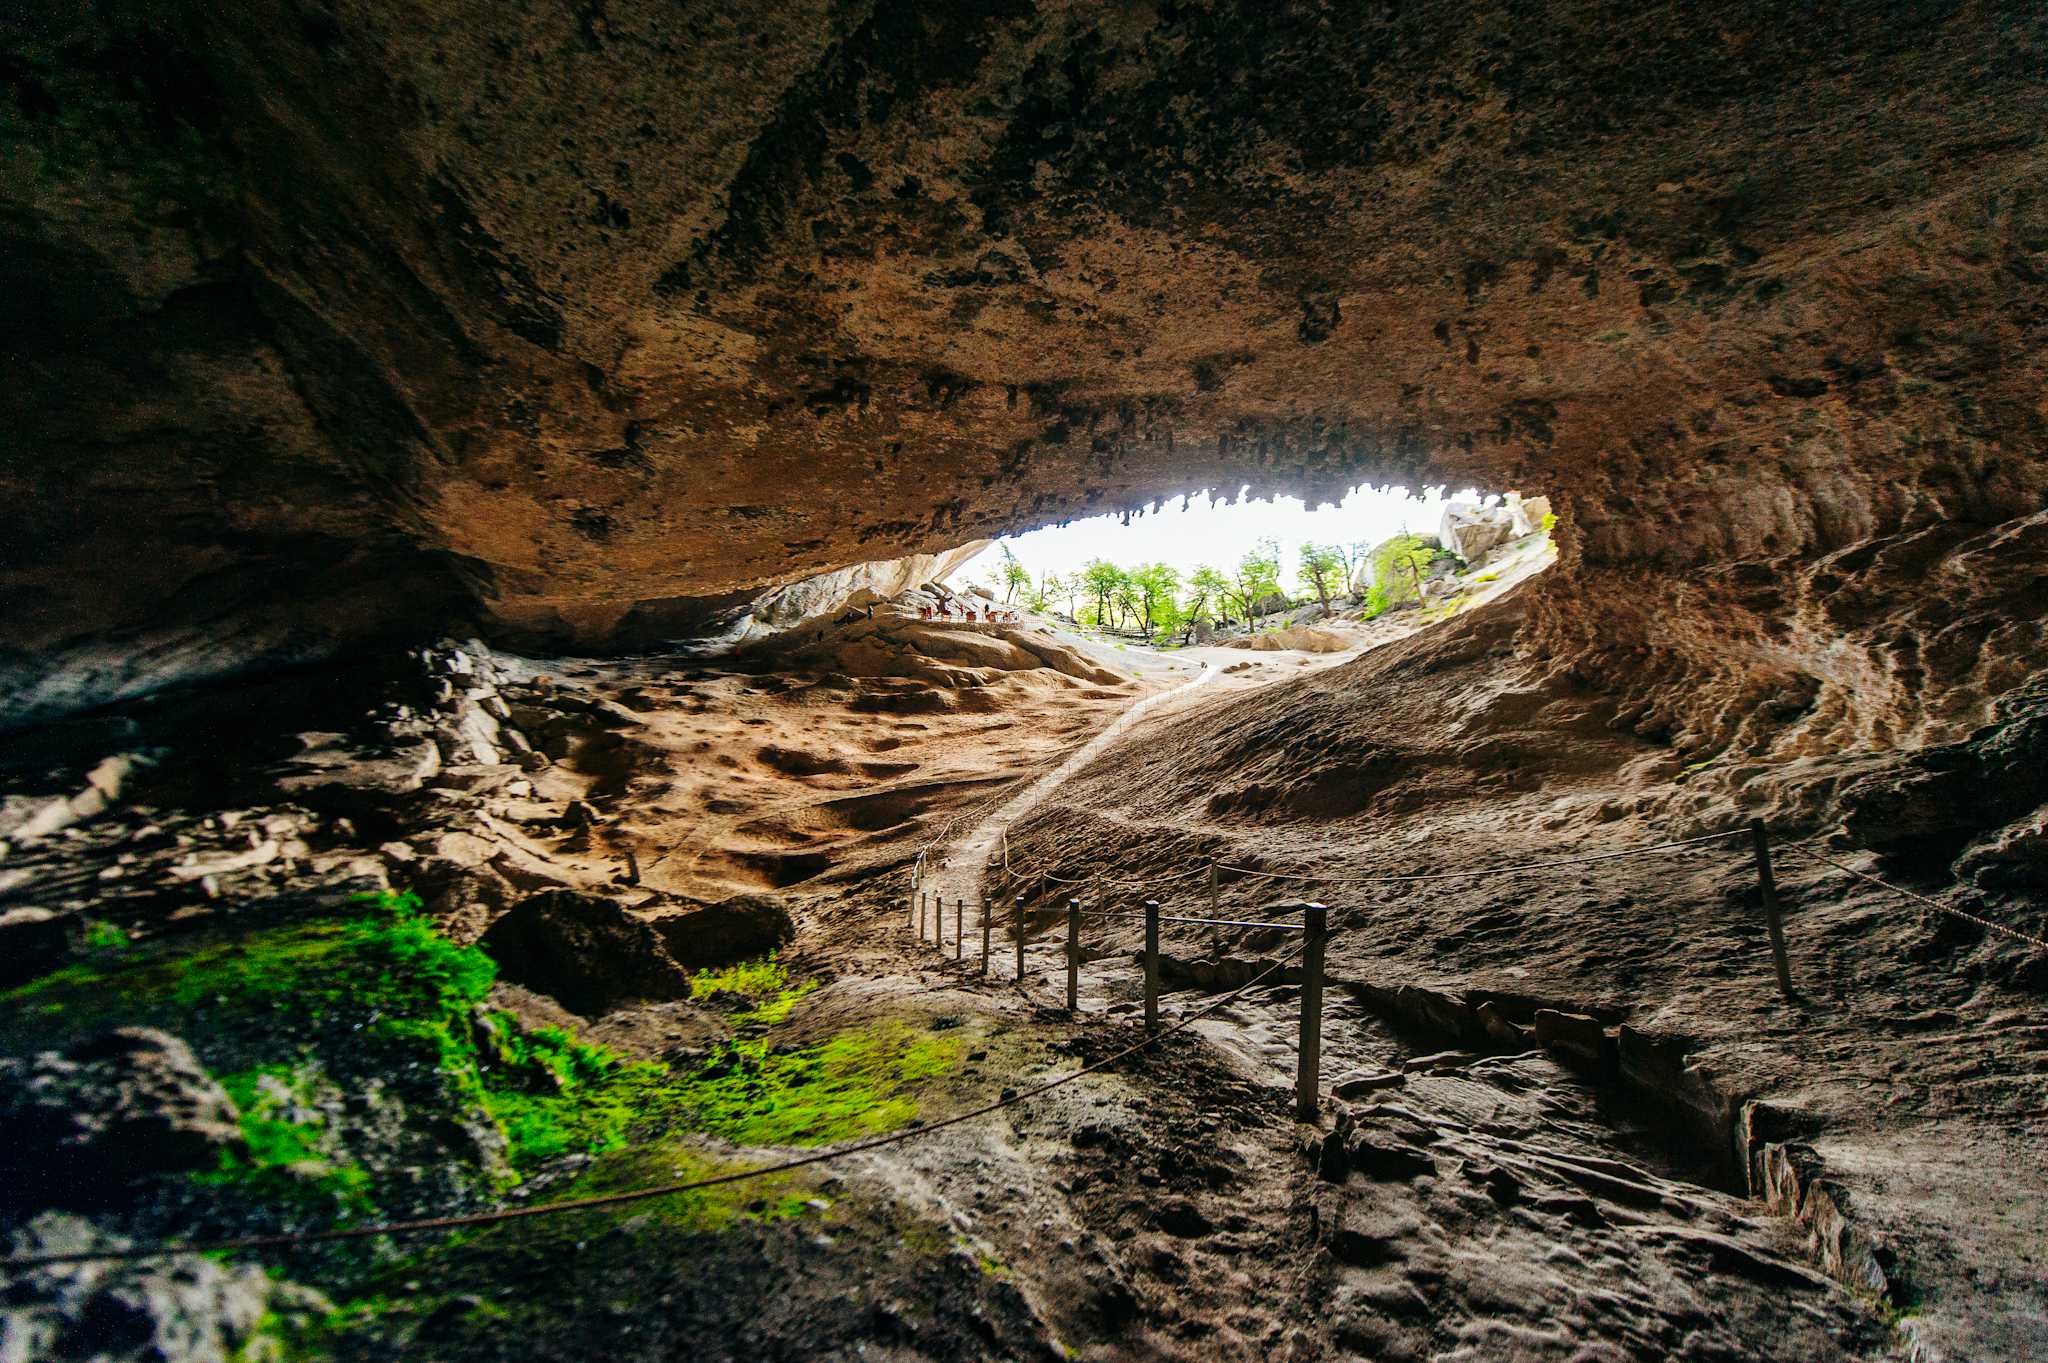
(323,321)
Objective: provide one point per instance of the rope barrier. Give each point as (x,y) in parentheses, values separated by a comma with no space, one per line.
(1128,884)
(254,1242)
(1806,851)
(1524,868)
(1201,922)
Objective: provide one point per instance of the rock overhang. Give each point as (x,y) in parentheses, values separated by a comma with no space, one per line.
(601,318)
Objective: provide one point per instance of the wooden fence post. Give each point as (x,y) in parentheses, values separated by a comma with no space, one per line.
(1309,1077)
(1151,967)
(959,927)
(1073,954)
(1017,924)
(986,907)
(1215,910)
(1768,885)
(920,917)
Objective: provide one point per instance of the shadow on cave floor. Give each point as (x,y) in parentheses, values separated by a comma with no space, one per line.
(649,825)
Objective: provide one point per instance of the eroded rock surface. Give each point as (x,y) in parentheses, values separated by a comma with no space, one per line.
(588,320)
(85,1123)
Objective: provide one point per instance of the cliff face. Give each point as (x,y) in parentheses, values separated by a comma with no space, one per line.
(325,321)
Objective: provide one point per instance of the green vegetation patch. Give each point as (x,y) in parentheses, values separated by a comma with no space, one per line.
(409,997)
(382,957)
(292,1156)
(104,936)
(765,981)
(769,1197)
(1399,566)
(371,999)
(858,1082)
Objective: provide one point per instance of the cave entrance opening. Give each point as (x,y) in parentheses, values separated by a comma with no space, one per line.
(1222,567)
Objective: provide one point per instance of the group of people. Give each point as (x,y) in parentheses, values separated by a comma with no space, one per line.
(988,613)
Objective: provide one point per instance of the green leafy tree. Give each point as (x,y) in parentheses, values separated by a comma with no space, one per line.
(1398,568)
(1126,603)
(1103,580)
(1208,589)
(1013,575)
(1157,588)
(1322,570)
(1069,587)
(1258,578)
(1354,556)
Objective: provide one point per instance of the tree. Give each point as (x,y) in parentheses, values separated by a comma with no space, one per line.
(1398,566)
(1157,588)
(1322,568)
(1354,556)
(1011,574)
(1103,580)
(1068,587)
(1258,577)
(1126,602)
(1210,590)
(1039,597)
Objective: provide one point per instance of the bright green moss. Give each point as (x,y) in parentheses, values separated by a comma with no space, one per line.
(104,936)
(380,957)
(858,1082)
(770,1197)
(289,1014)
(290,1157)
(766,981)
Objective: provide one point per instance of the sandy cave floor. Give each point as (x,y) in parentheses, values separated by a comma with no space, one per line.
(1463,1203)
(1909,1070)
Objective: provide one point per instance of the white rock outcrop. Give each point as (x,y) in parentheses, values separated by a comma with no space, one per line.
(1528,513)
(858,585)
(1470,530)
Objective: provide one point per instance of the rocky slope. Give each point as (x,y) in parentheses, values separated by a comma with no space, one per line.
(236,1026)
(1868,1110)
(325,321)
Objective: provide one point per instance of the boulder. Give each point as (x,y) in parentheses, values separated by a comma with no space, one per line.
(731,930)
(1470,530)
(2012,858)
(1528,514)
(181,1310)
(1385,1160)
(32,942)
(77,1128)
(1502,1028)
(1577,1039)
(589,953)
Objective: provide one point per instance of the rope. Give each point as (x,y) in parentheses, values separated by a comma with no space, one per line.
(1934,904)
(250,1242)
(1524,868)
(1133,884)
(1203,922)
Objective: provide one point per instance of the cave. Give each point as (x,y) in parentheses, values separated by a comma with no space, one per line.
(495,726)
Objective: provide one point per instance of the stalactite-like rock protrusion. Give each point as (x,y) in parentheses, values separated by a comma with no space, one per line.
(325,331)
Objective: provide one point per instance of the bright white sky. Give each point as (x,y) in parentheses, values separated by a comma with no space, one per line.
(1220,534)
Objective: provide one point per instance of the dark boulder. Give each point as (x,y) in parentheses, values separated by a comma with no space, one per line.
(77,1128)
(32,942)
(179,1310)
(589,953)
(736,928)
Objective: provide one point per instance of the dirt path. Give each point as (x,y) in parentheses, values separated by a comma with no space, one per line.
(959,861)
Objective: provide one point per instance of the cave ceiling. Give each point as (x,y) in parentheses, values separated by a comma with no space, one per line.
(320,318)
